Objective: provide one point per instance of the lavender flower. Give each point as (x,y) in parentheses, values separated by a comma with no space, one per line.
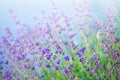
(32,67)
(48,56)
(54,57)
(58,61)
(70,66)
(95,58)
(66,58)
(82,59)
(43,51)
(116,40)
(65,71)
(47,65)
(115,53)
(19,57)
(39,64)
(27,66)
(81,52)
(57,46)
(56,67)
(91,48)
(72,76)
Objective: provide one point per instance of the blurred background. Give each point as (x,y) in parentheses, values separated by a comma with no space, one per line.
(26,10)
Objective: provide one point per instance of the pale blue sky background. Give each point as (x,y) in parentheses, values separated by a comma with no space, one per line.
(27,9)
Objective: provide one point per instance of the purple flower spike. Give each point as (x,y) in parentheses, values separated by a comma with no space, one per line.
(58,62)
(82,59)
(72,76)
(91,48)
(19,57)
(56,67)
(81,52)
(32,67)
(70,66)
(62,53)
(65,71)
(116,40)
(43,51)
(48,57)
(115,53)
(39,64)
(47,65)
(95,58)
(26,66)
(57,46)
(66,58)
(54,57)
(73,45)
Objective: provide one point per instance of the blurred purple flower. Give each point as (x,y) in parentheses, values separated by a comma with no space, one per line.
(95,58)
(81,52)
(115,53)
(116,40)
(70,66)
(19,57)
(39,64)
(82,59)
(56,67)
(43,51)
(26,66)
(66,58)
(72,76)
(58,61)
(54,57)
(48,56)
(47,65)
(32,67)
(65,71)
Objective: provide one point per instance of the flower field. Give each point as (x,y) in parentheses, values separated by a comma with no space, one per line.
(59,49)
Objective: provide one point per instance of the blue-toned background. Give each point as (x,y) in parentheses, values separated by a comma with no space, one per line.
(25,10)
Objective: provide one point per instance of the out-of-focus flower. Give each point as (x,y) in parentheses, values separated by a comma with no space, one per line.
(56,67)
(65,71)
(66,58)
(47,65)
(81,52)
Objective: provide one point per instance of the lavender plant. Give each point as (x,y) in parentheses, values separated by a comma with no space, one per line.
(57,49)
